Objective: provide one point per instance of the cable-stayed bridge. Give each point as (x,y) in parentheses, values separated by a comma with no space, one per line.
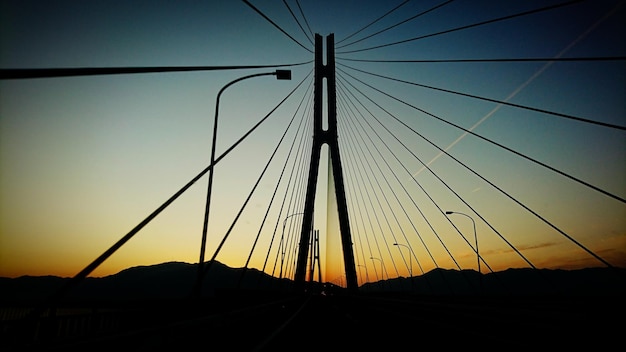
(498,183)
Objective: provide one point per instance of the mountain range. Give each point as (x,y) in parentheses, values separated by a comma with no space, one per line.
(173,280)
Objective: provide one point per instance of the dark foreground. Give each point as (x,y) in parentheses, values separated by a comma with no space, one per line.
(322,322)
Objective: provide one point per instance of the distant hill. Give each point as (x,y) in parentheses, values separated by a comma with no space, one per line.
(169,280)
(524,281)
(176,279)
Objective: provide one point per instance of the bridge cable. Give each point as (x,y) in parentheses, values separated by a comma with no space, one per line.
(300,190)
(399,182)
(286,246)
(489,182)
(359,211)
(352,204)
(93,265)
(365,171)
(443,277)
(349,145)
(281,251)
(305,20)
(447,186)
(604,124)
(465,27)
(271,201)
(369,175)
(296,203)
(371,23)
(432,172)
(275,25)
(616,197)
(397,24)
(305,144)
(298,22)
(363,197)
(409,173)
(418,208)
(537,59)
(221,244)
(351,189)
(280,212)
(295,227)
(23,73)
(408,194)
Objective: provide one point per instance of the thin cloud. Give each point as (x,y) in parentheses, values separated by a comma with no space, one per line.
(531,247)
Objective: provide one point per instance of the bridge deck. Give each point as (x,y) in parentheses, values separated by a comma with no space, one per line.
(317,322)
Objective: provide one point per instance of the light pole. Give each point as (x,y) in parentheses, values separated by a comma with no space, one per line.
(382,270)
(281,75)
(410,260)
(282,248)
(366,276)
(287,217)
(475,240)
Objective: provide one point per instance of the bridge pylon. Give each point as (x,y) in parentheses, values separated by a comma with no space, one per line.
(329,137)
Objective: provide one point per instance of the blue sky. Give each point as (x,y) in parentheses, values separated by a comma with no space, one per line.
(85,159)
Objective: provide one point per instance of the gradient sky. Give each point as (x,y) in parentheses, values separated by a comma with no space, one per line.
(83,160)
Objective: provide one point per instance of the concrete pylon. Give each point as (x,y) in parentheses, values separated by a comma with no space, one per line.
(329,137)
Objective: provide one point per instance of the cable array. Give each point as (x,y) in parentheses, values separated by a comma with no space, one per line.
(397,24)
(373,22)
(277,26)
(482,23)
(370,241)
(390,203)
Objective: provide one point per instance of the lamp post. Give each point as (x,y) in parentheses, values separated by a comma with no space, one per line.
(281,75)
(282,254)
(366,276)
(382,269)
(410,260)
(287,217)
(475,240)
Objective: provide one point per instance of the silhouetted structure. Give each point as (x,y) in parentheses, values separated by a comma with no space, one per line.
(329,136)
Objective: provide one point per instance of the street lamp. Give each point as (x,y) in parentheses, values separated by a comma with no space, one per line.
(382,269)
(281,75)
(282,248)
(475,236)
(366,276)
(287,217)
(410,260)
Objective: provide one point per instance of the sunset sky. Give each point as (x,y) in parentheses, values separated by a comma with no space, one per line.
(83,160)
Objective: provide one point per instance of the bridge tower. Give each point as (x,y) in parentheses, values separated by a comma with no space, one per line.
(328,136)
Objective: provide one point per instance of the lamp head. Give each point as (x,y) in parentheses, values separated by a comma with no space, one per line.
(283,74)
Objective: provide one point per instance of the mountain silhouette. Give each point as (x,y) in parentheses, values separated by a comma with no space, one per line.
(142,306)
(174,280)
(517,282)
(171,280)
